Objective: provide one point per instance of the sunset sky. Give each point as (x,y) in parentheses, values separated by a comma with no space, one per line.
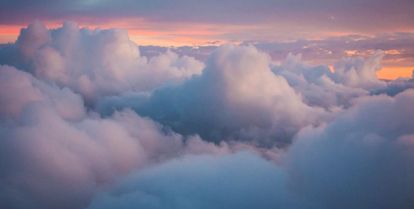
(369,25)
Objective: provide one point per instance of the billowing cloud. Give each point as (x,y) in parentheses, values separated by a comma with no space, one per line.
(18,89)
(396,62)
(237,97)
(95,63)
(359,160)
(352,77)
(86,121)
(241,95)
(55,154)
(362,159)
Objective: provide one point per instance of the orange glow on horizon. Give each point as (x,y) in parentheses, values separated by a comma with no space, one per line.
(143,32)
(390,72)
(147,33)
(394,72)
(9,33)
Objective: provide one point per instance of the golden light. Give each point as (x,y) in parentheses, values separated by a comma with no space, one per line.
(394,72)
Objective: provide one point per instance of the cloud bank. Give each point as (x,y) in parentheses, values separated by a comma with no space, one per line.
(86,121)
(55,153)
(358,160)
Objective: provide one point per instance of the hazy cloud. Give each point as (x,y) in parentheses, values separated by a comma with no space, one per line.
(360,160)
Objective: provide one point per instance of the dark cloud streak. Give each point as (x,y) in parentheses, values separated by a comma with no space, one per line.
(361,16)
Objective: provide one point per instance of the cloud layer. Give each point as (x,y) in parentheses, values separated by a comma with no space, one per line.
(241,181)
(358,160)
(55,153)
(86,121)
(319,14)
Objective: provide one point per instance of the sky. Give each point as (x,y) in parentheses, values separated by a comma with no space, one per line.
(180,104)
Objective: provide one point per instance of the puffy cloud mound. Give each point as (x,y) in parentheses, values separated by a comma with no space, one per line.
(95,62)
(237,97)
(240,180)
(351,78)
(362,159)
(18,89)
(55,154)
(359,72)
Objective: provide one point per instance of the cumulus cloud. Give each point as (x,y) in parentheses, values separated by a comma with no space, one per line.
(241,95)
(351,77)
(336,88)
(357,72)
(18,89)
(397,48)
(86,121)
(362,159)
(55,153)
(236,97)
(359,160)
(95,62)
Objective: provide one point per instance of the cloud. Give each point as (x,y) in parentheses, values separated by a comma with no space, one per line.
(242,95)
(237,97)
(396,86)
(241,180)
(335,89)
(397,47)
(351,78)
(19,89)
(362,159)
(87,121)
(357,72)
(358,160)
(95,63)
(55,153)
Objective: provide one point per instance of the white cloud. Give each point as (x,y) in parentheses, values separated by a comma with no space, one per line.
(236,97)
(316,138)
(97,62)
(56,154)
